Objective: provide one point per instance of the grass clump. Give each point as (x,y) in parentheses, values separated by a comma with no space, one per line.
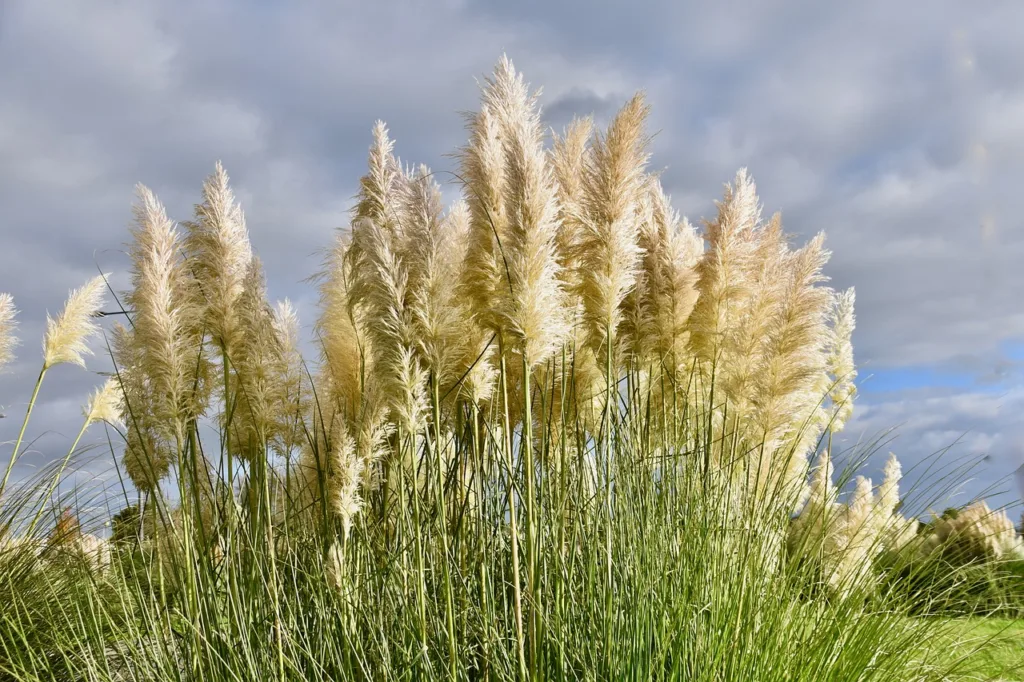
(553,431)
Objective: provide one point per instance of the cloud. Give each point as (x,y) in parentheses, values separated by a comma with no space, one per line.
(941,429)
(901,137)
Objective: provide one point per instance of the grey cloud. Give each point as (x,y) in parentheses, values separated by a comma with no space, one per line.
(944,428)
(896,130)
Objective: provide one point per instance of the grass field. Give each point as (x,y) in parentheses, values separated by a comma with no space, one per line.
(1001,656)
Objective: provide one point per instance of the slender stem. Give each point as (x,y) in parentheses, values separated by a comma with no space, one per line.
(227,440)
(443,518)
(60,472)
(531,531)
(268,525)
(24,425)
(609,384)
(513,524)
(478,481)
(421,585)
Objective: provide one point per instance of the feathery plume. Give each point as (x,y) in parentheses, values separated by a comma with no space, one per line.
(380,192)
(570,156)
(532,311)
(893,529)
(146,459)
(889,491)
(381,288)
(164,298)
(344,476)
(855,542)
(815,522)
(286,325)
(976,532)
(793,359)
(745,344)
(342,350)
(105,403)
(7,326)
(292,387)
(607,251)
(478,365)
(483,172)
(380,187)
(671,249)
(218,247)
(434,251)
(372,433)
(723,272)
(259,366)
(67,335)
(381,267)
(334,469)
(840,359)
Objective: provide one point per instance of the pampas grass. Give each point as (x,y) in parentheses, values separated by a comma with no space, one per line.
(608,256)
(529,305)
(68,334)
(166,328)
(8,340)
(66,341)
(104,404)
(551,431)
(219,251)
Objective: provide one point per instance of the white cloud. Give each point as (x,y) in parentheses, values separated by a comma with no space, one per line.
(896,130)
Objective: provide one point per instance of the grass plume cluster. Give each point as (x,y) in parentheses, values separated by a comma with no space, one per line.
(553,431)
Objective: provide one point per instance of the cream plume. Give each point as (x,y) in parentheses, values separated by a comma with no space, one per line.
(976,532)
(380,187)
(532,310)
(671,249)
(68,334)
(219,249)
(840,359)
(380,194)
(723,272)
(379,290)
(785,395)
(795,338)
(889,491)
(260,368)
(856,537)
(166,312)
(569,158)
(608,253)
(380,286)
(292,391)
(745,344)
(105,403)
(344,476)
(483,172)
(816,521)
(434,249)
(7,326)
(342,350)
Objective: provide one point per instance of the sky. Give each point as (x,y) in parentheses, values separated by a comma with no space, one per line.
(898,128)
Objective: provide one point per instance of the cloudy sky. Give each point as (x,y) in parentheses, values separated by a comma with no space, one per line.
(898,128)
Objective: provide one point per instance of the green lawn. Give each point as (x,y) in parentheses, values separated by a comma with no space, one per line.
(1001,653)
